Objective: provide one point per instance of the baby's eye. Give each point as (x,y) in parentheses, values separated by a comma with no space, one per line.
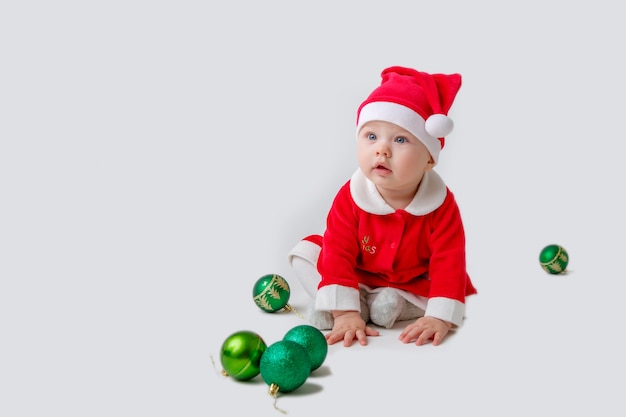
(371,136)
(401,139)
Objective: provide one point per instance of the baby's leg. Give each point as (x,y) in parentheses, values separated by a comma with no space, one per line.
(388,306)
(385,307)
(410,312)
(307,275)
(303,260)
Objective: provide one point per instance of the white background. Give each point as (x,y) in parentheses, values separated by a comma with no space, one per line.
(158,157)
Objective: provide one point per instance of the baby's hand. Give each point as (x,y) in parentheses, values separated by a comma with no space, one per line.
(349,326)
(425,329)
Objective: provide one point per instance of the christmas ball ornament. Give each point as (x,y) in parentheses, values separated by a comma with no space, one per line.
(271,293)
(554,259)
(285,366)
(312,340)
(241,355)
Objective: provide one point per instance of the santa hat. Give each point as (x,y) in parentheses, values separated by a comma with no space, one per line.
(416,101)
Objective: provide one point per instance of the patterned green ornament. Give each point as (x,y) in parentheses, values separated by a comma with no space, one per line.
(271,293)
(285,366)
(241,355)
(554,259)
(312,340)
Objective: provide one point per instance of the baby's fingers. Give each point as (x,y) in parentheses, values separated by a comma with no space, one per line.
(334,336)
(425,337)
(371,331)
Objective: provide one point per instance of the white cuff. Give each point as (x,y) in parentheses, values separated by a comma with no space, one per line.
(337,297)
(446,309)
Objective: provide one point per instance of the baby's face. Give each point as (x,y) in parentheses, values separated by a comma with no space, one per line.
(391,157)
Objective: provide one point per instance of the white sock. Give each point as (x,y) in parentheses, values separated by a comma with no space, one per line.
(410,312)
(385,307)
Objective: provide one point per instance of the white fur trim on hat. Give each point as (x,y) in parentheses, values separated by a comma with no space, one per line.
(406,119)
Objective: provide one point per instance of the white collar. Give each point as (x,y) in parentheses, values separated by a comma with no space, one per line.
(430,195)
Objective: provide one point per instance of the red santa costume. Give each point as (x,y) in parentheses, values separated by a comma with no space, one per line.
(420,250)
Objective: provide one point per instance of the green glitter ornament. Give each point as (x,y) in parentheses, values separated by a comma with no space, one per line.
(271,293)
(554,259)
(312,340)
(285,366)
(241,355)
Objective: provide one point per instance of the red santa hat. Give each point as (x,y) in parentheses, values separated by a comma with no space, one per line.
(416,101)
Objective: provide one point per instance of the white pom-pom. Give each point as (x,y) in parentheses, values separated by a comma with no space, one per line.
(439,125)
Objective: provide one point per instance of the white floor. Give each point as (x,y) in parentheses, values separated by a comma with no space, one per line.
(157,159)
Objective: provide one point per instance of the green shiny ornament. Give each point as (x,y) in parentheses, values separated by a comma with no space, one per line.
(313,340)
(285,366)
(271,293)
(241,355)
(554,259)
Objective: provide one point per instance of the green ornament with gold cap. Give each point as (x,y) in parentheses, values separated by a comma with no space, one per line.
(285,366)
(241,355)
(271,293)
(554,259)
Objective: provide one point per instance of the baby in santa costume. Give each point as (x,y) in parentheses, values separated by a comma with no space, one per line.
(394,244)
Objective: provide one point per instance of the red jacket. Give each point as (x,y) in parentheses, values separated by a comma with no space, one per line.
(420,249)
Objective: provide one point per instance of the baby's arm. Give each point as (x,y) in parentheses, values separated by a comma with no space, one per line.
(425,329)
(349,326)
